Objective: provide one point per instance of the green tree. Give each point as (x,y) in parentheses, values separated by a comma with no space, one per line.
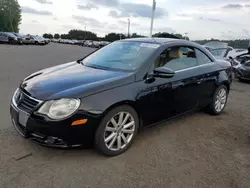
(135,35)
(65,36)
(10,15)
(80,35)
(48,35)
(114,36)
(56,36)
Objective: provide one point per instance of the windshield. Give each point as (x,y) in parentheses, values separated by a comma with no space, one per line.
(219,52)
(18,34)
(11,34)
(121,55)
(39,37)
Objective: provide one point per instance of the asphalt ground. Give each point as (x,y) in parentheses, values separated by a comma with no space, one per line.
(196,150)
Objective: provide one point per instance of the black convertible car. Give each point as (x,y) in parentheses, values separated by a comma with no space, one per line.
(106,98)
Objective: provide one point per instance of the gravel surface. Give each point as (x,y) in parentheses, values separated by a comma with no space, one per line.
(196,150)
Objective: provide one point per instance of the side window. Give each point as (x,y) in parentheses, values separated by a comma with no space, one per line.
(202,58)
(177,58)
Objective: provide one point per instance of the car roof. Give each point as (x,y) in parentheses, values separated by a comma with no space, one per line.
(153,40)
(9,33)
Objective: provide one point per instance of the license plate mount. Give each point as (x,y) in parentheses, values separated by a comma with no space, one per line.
(23,118)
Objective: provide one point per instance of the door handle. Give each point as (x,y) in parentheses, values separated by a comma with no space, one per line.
(200,80)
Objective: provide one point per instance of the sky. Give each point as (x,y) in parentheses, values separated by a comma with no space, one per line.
(201,19)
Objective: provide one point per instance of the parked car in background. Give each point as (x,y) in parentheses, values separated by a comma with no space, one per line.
(241,66)
(95,44)
(7,37)
(88,43)
(31,39)
(39,40)
(103,43)
(106,98)
(47,41)
(21,37)
(55,40)
(221,50)
(28,39)
(81,42)
(222,53)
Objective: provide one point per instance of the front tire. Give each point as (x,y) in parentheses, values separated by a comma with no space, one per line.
(219,100)
(11,41)
(117,131)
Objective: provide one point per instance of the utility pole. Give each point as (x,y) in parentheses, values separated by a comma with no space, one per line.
(85,33)
(152,18)
(128,27)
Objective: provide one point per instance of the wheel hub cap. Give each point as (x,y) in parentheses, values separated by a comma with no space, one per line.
(119,131)
(221,99)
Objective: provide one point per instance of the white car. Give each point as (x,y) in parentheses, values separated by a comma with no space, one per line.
(221,50)
(39,40)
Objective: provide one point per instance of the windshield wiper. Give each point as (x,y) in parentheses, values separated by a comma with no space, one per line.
(93,66)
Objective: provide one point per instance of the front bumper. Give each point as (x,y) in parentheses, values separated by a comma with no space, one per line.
(242,73)
(56,133)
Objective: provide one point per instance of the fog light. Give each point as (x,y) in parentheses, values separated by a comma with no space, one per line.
(50,140)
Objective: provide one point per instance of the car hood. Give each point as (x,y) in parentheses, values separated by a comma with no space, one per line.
(72,80)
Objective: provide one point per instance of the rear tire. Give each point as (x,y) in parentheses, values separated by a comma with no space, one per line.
(117,130)
(219,101)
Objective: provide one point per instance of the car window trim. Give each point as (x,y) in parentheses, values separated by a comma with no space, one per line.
(189,46)
(211,61)
(185,46)
(198,66)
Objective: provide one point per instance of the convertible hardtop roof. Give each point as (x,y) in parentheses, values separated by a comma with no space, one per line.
(153,40)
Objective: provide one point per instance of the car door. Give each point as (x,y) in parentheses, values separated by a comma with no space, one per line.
(210,77)
(173,96)
(186,83)
(3,37)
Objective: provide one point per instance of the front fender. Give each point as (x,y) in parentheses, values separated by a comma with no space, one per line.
(101,102)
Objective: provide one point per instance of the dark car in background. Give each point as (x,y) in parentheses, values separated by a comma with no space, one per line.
(21,37)
(107,97)
(241,66)
(7,37)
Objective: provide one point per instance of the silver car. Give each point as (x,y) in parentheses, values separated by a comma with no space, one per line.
(6,37)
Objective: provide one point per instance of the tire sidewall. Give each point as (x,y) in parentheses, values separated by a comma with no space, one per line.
(214,99)
(99,139)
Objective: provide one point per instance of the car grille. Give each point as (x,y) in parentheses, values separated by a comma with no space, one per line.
(25,102)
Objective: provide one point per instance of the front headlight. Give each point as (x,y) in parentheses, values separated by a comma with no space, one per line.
(59,109)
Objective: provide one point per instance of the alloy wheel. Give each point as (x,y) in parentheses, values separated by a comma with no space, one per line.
(220,100)
(119,131)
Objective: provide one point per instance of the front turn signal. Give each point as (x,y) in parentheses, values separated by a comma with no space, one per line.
(79,122)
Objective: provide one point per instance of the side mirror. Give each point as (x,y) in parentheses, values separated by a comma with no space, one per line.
(163,72)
